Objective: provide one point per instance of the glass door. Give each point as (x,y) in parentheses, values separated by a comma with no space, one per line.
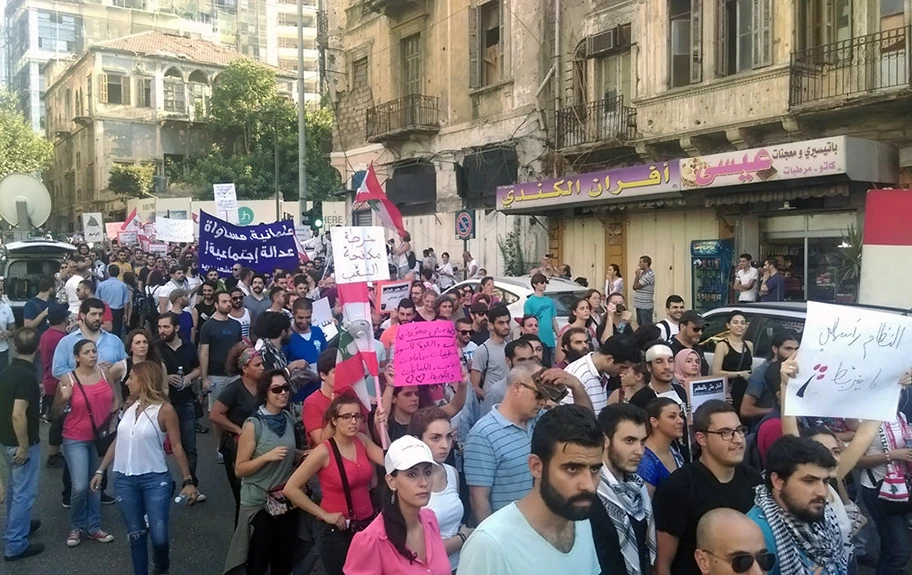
(813,269)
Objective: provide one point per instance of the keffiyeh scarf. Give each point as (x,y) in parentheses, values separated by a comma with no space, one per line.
(624,500)
(277,422)
(821,541)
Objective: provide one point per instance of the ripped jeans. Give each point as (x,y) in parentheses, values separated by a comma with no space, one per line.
(139,496)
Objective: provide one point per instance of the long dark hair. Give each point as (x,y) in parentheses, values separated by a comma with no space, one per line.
(152,355)
(394,522)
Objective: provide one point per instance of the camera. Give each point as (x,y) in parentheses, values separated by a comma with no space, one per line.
(620,308)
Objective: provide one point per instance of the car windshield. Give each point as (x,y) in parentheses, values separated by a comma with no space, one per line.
(21,282)
(563,300)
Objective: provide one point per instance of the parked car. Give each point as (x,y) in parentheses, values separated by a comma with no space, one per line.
(764,320)
(23,263)
(513,291)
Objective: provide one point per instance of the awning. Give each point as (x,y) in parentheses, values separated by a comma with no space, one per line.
(778,195)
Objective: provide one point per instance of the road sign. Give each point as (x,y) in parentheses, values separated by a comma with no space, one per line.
(465,225)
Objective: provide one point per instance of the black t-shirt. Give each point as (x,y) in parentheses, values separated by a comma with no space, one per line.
(143,274)
(647,394)
(184,356)
(239,402)
(692,491)
(204,311)
(607,544)
(479,337)
(18,382)
(396,429)
(221,335)
(677,346)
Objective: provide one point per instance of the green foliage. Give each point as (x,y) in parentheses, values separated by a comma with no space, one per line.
(247,119)
(849,270)
(131,181)
(21,149)
(516,262)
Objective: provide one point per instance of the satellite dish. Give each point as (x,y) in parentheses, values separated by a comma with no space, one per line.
(24,201)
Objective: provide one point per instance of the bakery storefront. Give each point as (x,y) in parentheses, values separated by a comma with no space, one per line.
(802,202)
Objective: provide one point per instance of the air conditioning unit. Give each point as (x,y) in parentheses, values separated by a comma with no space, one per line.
(602,42)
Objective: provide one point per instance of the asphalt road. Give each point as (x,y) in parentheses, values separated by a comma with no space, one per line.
(199,535)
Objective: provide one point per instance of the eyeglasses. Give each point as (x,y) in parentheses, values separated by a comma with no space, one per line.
(729,434)
(539,396)
(697,329)
(742,562)
(237,298)
(348,417)
(465,332)
(280,389)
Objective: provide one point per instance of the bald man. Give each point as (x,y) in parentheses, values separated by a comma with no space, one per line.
(729,542)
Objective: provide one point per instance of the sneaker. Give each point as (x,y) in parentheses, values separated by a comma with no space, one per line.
(54,461)
(201,429)
(101,536)
(200,497)
(32,549)
(34,525)
(107,499)
(219,458)
(65,502)
(74,538)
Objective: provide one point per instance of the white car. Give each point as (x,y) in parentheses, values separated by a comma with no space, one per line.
(513,291)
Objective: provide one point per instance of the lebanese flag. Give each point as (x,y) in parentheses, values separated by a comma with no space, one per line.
(357,357)
(372,194)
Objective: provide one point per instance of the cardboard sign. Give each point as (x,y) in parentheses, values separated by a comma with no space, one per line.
(389,294)
(849,363)
(168,230)
(127,238)
(112,229)
(323,318)
(703,389)
(359,254)
(93,227)
(226,204)
(426,354)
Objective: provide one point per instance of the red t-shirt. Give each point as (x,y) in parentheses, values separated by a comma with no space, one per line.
(358,473)
(46,346)
(769,432)
(314,409)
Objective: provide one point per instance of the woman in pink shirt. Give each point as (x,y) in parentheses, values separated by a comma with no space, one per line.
(404,539)
(85,396)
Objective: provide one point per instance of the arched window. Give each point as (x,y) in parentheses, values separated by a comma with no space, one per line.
(175,92)
(199,93)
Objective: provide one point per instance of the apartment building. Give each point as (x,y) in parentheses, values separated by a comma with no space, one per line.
(140,99)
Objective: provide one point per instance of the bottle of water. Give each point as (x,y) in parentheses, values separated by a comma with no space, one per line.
(180,373)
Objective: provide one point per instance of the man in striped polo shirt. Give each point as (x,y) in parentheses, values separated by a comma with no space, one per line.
(498,447)
(617,353)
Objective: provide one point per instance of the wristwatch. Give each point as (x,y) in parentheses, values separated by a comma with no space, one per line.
(187,483)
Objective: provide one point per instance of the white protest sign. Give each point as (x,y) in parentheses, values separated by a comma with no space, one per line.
(93,227)
(226,204)
(158,248)
(703,389)
(168,230)
(323,319)
(127,238)
(850,362)
(389,294)
(359,254)
(112,229)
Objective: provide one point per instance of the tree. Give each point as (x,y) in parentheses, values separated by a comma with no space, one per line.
(132,181)
(248,119)
(21,149)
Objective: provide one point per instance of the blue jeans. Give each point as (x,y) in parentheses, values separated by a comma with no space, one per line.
(895,548)
(23,488)
(644,316)
(186,417)
(149,495)
(85,504)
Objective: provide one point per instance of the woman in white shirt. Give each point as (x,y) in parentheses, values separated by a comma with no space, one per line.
(141,477)
(614,283)
(432,426)
(445,273)
(7,325)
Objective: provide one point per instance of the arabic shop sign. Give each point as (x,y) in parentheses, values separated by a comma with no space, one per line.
(261,248)
(809,159)
(594,187)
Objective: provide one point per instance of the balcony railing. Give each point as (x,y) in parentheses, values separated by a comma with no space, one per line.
(864,64)
(410,114)
(606,120)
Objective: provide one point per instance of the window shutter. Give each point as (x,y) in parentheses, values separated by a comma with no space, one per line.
(722,46)
(503,39)
(761,41)
(125,87)
(829,22)
(696,41)
(103,88)
(474,46)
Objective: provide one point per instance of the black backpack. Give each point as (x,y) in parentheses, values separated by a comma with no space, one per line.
(410,256)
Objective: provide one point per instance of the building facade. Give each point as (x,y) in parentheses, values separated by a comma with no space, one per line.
(141,99)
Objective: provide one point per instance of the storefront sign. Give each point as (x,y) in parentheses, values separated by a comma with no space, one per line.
(810,159)
(594,187)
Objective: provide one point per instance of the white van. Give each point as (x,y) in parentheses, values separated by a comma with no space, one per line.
(23,263)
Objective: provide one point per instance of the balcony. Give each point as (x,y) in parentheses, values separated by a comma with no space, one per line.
(402,117)
(390,8)
(604,121)
(876,64)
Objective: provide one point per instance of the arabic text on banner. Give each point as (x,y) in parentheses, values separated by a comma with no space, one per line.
(703,389)
(849,363)
(391,293)
(168,230)
(262,248)
(359,254)
(426,353)
(323,318)
(93,227)
(127,238)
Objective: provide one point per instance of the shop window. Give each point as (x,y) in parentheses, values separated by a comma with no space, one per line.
(486,44)
(113,89)
(768,327)
(744,33)
(822,22)
(685,21)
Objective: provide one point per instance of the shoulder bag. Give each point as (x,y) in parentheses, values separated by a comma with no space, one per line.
(354,525)
(106,433)
(276,502)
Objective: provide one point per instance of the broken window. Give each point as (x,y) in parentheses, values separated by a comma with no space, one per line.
(486,44)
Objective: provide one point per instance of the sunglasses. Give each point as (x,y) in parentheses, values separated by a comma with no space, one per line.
(465,332)
(280,389)
(742,562)
(237,298)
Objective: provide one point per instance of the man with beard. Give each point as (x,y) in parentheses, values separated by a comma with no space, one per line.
(622,524)
(273,330)
(478,313)
(518,352)
(464,341)
(718,479)
(490,362)
(575,344)
(205,308)
(760,396)
(177,281)
(257,302)
(617,353)
(497,449)
(728,542)
(239,313)
(674,311)
(565,462)
(690,332)
(217,336)
(183,367)
(660,363)
(277,301)
(791,508)
(405,313)
(307,341)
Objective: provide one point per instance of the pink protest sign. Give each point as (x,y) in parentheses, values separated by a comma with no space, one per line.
(426,354)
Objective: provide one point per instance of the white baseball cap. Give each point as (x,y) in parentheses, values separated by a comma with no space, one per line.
(407,452)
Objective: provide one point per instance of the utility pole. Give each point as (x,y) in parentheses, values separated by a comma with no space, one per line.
(302,127)
(278,193)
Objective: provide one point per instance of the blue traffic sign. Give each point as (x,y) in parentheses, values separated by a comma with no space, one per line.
(465,225)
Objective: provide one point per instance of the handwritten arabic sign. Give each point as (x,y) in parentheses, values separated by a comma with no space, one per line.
(127,238)
(226,204)
(703,389)
(158,248)
(391,293)
(850,361)
(359,254)
(168,230)
(607,185)
(823,157)
(426,353)
(92,229)
(261,248)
